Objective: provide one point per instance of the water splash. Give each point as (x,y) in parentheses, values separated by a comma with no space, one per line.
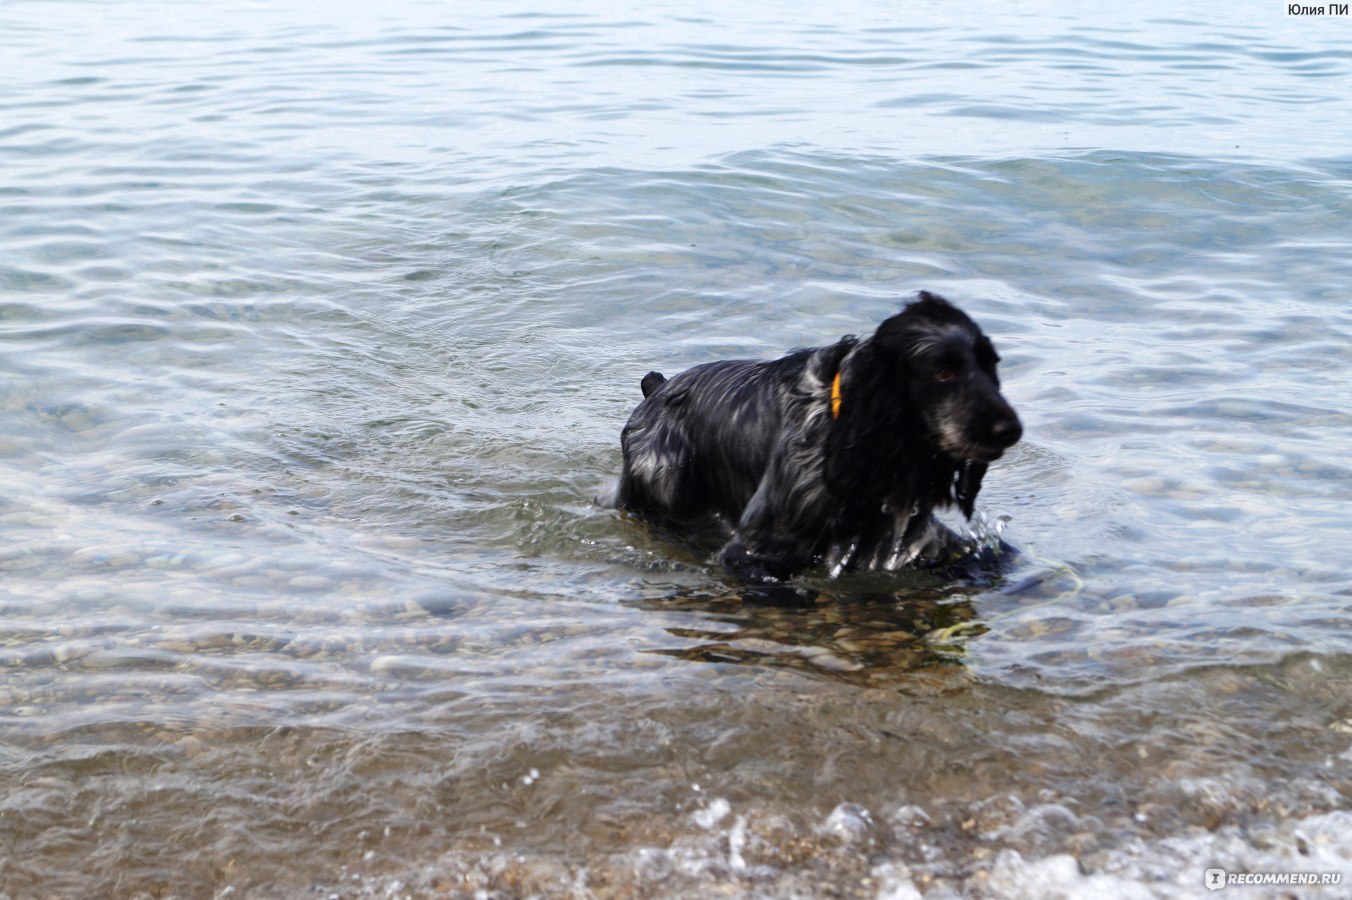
(985,532)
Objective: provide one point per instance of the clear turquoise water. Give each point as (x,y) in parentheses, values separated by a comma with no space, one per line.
(318,328)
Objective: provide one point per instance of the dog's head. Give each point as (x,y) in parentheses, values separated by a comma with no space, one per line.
(920,395)
(945,372)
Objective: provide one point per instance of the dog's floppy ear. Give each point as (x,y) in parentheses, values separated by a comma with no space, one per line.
(969,485)
(864,456)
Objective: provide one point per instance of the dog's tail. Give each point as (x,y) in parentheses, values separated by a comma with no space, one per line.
(651,382)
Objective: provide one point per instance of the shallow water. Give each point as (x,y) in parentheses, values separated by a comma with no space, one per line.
(318,332)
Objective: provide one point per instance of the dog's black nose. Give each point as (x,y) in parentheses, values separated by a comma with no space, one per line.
(1006,432)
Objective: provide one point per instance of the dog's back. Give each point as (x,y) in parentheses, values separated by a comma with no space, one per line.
(699,442)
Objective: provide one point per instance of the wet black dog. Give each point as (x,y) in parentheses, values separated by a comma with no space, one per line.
(836,454)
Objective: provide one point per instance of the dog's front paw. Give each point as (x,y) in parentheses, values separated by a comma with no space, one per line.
(752,567)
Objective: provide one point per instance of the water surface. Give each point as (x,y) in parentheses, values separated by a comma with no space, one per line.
(318,333)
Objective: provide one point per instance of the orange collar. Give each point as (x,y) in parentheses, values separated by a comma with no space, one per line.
(835,397)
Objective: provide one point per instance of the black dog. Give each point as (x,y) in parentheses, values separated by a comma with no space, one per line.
(837,454)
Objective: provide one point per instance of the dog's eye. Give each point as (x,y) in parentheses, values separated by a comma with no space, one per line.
(945,375)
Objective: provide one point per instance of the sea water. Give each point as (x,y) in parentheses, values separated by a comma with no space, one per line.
(320,324)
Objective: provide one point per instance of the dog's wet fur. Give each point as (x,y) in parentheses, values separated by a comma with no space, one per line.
(800,472)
